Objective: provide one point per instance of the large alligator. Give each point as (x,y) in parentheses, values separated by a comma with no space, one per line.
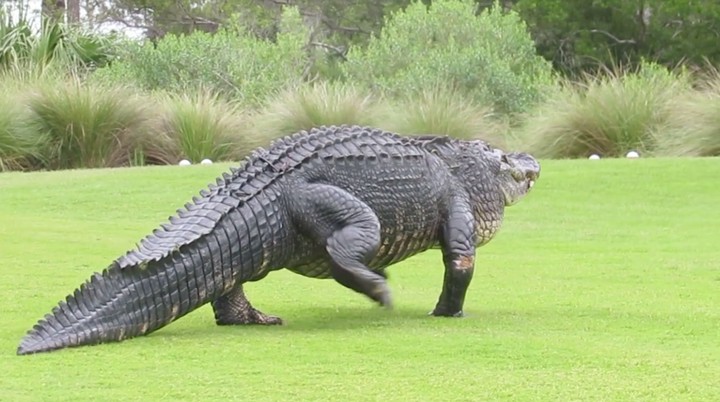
(341,202)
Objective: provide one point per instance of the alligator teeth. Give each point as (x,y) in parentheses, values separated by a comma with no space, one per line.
(531,183)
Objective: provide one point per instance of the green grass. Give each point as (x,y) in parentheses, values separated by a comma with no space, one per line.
(602,285)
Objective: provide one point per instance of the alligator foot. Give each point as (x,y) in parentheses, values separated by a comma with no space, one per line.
(440,312)
(233,308)
(250,316)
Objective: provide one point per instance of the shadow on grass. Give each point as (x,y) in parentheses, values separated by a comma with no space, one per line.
(351,319)
(322,319)
(332,319)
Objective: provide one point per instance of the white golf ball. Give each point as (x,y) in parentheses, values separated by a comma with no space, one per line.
(632,155)
(185,162)
(206,162)
(594,156)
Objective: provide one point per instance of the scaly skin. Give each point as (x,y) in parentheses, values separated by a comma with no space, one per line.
(341,202)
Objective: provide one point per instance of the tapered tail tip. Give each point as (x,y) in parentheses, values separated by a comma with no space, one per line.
(29,347)
(34,344)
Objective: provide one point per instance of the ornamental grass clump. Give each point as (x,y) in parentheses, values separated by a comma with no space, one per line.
(608,114)
(84,126)
(693,124)
(442,111)
(196,126)
(312,105)
(18,148)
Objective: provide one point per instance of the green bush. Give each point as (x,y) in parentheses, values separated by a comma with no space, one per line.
(693,124)
(230,62)
(608,114)
(196,127)
(57,48)
(312,105)
(18,148)
(82,126)
(490,57)
(443,111)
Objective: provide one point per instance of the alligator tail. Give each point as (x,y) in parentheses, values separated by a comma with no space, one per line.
(122,303)
(200,255)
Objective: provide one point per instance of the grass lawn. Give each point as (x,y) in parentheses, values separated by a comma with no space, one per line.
(602,285)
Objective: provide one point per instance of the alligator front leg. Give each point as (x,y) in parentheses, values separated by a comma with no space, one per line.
(233,308)
(458,248)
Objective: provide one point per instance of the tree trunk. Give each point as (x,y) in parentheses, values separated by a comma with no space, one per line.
(73,12)
(53,10)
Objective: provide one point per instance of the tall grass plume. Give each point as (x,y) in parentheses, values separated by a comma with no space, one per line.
(442,111)
(313,105)
(18,148)
(84,126)
(608,114)
(197,126)
(693,124)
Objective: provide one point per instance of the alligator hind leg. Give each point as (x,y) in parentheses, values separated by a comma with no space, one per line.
(348,248)
(350,232)
(233,308)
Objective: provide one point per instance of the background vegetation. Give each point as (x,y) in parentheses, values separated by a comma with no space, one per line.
(217,79)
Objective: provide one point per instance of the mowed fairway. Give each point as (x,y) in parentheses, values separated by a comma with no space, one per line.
(604,284)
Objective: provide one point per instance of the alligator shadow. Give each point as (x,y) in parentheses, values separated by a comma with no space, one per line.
(352,318)
(317,319)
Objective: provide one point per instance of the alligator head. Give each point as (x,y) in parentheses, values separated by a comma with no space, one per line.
(518,173)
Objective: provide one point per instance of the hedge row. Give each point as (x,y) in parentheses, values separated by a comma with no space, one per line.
(56,125)
(441,70)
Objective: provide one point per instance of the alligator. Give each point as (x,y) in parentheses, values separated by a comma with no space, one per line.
(342,202)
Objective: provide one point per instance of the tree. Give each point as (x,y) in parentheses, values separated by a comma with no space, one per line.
(339,21)
(578,35)
(159,17)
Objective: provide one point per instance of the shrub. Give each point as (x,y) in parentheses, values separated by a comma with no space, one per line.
(84,126)
(490,57)
(18,149)
(443,111)
(196,127)
(693,124)
(608,114)
(313,105)
(230,62)
(24,53)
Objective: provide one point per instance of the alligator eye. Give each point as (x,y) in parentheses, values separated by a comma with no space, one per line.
(504,159)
